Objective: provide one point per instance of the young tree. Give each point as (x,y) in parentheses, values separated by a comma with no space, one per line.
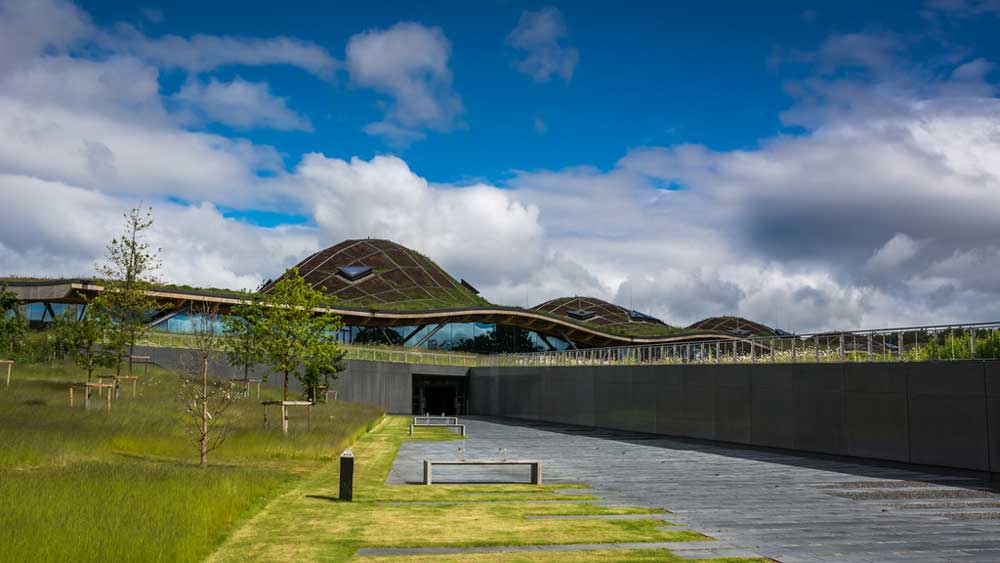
(242,343)
(292,330)
(59,333)
(320,374)
(205,401)
(128,273)
(90,341)
(13,326)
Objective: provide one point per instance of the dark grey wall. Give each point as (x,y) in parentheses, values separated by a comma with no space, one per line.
(389,385)
(938,413)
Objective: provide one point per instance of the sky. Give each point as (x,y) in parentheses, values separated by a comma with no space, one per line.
(811,166)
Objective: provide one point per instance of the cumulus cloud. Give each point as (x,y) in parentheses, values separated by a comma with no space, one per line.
(240,104)
(893,254)
(383,198)
(881,211)
(75,157)
(540,37)
(201,53)
(66,236)
(29,27)
(408,63)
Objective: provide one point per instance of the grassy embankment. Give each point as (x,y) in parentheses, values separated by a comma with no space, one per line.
(308,523)
(124,485)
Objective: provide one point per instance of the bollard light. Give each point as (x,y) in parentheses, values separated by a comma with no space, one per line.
(347,475)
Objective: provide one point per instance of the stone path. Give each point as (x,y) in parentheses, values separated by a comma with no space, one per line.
(792,508)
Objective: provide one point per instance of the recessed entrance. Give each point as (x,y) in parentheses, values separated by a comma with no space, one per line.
(436,394)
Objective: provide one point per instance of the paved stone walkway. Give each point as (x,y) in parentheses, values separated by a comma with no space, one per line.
(792,508)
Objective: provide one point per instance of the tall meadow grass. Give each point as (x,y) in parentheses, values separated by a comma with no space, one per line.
(124,485)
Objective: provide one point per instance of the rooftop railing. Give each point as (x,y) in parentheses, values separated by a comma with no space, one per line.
(395,354)
(904,344)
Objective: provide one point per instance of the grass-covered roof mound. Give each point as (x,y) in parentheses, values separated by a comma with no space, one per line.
(736,326)
(606,316)
(380,274)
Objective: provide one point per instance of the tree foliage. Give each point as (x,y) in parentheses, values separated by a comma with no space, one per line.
(13,326)
(293,332)
(128,273)
(92,341)
(243,344)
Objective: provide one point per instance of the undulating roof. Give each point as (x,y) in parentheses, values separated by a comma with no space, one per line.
(381,274)
(736,326)
(606,315)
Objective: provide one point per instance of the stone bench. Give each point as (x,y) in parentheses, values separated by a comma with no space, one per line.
(536,467)
(427,419)
(461,427)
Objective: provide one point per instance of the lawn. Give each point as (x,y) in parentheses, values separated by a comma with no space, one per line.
(124,485)
(308,523)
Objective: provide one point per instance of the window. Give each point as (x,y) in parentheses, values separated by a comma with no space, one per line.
(354,273)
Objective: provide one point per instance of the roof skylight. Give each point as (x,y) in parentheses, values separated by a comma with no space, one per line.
(354,273)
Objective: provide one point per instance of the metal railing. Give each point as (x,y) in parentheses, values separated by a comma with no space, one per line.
(351,351)
(905,344)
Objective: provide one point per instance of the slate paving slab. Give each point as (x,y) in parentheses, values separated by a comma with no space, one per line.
(775,503)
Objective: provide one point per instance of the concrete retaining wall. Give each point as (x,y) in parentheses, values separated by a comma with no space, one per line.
(389,385)
(937,413)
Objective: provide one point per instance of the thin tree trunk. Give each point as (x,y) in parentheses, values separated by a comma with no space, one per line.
(286,385)
(204,414)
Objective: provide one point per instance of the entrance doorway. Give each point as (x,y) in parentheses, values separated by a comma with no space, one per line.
(436,394)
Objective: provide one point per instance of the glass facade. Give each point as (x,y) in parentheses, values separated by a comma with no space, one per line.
(481,338)
(40,313)
(184,323)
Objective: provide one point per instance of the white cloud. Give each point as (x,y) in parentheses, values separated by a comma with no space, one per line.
(479,231)
(893,254)
(409,63)
(539,35)
(201,53)
(29,27)
(66,235)
(795,231)
(240,104)
(803,231)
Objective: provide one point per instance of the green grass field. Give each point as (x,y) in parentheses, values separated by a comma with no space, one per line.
(308,523)
(124,485)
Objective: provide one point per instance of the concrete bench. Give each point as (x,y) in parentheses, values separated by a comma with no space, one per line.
(432,419)
(461,427)
(536,467)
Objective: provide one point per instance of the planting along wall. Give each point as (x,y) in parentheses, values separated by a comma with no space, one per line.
(937,413)
(389,385)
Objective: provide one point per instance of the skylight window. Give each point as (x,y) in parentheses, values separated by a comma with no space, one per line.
(354,273)
(580,314)
(469,286)
(642,317)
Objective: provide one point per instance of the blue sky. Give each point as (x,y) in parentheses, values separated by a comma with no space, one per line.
(650,73)
(807,165)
